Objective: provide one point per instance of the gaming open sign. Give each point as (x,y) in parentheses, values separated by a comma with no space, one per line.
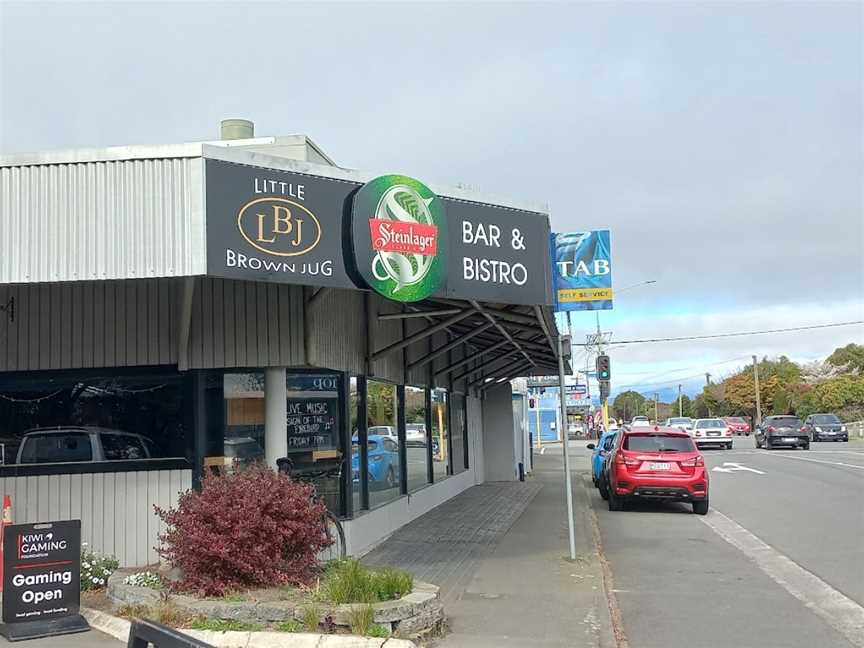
(42,580)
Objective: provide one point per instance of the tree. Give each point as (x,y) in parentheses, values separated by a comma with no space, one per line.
(849,359)
(628,404)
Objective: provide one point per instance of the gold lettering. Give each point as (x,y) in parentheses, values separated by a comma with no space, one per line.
(299,236)
(286,219)
(261,238)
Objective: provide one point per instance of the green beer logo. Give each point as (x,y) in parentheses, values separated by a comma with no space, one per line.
(399,237)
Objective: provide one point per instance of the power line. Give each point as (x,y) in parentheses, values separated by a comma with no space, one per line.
(738,334)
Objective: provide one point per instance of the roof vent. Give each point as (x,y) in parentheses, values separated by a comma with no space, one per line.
(234,129)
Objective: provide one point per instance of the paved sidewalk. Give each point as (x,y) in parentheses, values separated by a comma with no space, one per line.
(499,551)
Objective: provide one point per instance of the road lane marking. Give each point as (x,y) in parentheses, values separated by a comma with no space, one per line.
(735,467)
(830,463)
(836,609)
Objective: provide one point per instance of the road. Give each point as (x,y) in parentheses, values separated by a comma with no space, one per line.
(777,562)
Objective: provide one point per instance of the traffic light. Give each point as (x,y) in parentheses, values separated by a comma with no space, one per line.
(604,372)
(604,390)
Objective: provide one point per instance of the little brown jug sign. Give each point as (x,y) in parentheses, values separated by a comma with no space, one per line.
(42,580)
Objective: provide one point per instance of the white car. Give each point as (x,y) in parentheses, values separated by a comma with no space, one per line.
(415,435)
(711,432)
(640,421)
(681,422)
(383,430)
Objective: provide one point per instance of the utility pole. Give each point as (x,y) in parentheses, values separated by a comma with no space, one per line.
(680,405)
(708,384)
(758,399)
(603,402)
(567,485)
(656,415)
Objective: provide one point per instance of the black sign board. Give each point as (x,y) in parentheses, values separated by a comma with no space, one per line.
(278,226)
(42,580)
(271,225)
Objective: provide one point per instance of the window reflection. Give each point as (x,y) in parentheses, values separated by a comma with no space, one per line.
(89,417)
(383,470)
(440,434)
(353,405)
(416,438)
(457,433)
(244,419)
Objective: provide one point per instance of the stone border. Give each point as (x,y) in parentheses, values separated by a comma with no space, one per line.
(119,629)
(417,614)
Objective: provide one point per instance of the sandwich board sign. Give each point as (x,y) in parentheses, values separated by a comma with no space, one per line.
(42,580)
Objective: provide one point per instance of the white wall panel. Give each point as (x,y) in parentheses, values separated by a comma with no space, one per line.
(115,509)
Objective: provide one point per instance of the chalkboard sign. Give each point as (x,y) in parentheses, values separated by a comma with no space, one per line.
(313,423)
(42,580)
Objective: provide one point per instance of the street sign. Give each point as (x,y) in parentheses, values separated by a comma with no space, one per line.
(578,402)
(42,580)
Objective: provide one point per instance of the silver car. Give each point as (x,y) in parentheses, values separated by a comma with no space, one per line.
(711,432)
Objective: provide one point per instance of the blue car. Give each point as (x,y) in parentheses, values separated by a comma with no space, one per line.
(604,444)
(383,461)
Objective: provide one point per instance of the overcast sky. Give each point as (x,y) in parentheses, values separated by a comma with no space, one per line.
(720,142)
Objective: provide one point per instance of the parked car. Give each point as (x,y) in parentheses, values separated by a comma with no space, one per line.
(415,435)
(826,427)
(598,456)
(383,430)
(712,432)
(383,452)
(777,431)
(67,444)
(738,425)
(659,464)
(679,422)
(640,421)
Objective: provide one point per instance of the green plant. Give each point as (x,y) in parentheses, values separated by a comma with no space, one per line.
(95,569)
(348,581)
(134,611)
(362,619)
(144,579)
(379,631)
(392,584)
(225,625)
(289,626)
(311,616)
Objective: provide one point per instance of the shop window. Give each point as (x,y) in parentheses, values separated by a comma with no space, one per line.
(383,470)
(314,433)
(440,434)
(244,419)
(458,434)
(92,418)
(353,412)
(416,438)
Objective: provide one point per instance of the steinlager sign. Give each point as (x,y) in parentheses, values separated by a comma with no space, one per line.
(400,238)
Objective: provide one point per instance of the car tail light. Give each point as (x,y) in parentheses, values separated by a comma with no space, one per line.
(771,428)
(803,428)
(623,460)
(728,432)
(695,461)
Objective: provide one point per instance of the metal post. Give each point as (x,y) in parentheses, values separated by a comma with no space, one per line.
(758,398)
(680,404)
(567,485)
(656,415)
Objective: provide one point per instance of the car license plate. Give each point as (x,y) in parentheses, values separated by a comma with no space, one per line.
(660,465)
(831,433)
(790,439)
(713,434)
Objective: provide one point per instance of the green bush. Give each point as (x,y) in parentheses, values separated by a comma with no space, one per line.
(311,616)
(348,581)
(289,626)
(95,569)
(379,631)
(223,625)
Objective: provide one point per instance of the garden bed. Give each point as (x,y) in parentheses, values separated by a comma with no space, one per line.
(415,611)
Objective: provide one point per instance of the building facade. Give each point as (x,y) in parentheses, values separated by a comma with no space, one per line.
(177,310)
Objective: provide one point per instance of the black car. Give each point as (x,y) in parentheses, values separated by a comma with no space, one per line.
(826,427)
(782,431)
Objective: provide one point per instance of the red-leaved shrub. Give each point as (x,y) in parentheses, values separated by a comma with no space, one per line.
(255,528)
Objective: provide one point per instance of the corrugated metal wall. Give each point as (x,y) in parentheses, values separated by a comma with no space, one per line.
(115,509)
(337,335)
(102,220)
(126,323)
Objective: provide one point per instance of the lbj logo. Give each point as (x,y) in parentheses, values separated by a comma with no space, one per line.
(279,227)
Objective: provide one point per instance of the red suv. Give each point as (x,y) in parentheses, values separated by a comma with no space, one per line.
(655,463)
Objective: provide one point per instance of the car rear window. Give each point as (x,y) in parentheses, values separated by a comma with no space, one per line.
(658,443)
(825,418)
(735,419)
(120,447)
(710,423)
(785,421)
(56,448)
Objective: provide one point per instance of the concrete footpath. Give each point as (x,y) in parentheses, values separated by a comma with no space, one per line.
(508,579)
